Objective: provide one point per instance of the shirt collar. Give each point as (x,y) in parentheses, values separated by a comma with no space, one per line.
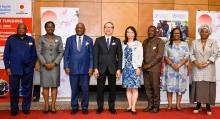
(108,37)
(20,37)
(77,36)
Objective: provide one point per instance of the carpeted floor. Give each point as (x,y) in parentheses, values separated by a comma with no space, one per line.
(65,114)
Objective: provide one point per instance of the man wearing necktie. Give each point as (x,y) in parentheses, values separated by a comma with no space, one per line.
(78,64)
(107,63)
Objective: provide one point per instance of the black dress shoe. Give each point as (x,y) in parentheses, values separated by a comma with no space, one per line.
(26,112)
(85,111)
(127,110)
(36,99)
(74,111)
(155,110)
(99,111)
(113,111)
(148,108)
(14,113)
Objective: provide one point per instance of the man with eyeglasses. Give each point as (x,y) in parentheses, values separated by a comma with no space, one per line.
(107,63)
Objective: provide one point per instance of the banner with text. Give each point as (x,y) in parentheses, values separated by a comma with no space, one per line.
(12,12)
(65,20)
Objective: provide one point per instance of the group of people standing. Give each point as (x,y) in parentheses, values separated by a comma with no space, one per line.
(111,59)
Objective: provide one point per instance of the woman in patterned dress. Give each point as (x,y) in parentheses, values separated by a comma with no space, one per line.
(203,54)
(176,56)
(131,63)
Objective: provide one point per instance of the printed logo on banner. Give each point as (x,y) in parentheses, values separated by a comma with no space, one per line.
(21,9)
(5,9)
(16,8)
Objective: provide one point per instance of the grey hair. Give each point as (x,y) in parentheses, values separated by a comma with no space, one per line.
(205,27)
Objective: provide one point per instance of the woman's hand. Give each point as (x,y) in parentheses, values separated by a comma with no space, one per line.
(175,66)
(200,65)
(138,72)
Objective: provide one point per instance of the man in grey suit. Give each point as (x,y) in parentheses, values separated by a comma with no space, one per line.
(107,63)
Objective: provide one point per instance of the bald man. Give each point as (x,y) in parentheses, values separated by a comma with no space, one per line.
(19,59)
(78,64)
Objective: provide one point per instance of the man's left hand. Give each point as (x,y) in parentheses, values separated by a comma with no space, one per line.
(118,74)
(90,71)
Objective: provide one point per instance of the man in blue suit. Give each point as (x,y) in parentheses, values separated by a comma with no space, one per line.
(78,63)
(19,59)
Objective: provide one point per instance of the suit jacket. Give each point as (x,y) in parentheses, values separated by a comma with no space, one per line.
(20,55)
(153,53)
(108,58)
(209,53)
(50,52)
(79,62)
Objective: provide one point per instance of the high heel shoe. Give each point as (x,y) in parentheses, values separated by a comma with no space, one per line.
(127,110)
(169,109)
(46,110)
(53,109)
(133,112)
(179,109)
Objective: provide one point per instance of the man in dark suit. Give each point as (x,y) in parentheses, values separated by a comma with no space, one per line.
(153,48)
(19,58)
(78,63)
(107,62)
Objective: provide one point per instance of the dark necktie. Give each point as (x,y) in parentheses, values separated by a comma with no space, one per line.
(79,44)
(108,42)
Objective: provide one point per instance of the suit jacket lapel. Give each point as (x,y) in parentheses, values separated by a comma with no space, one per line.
(208,44)
(83,43)
(104,42)
(110,44)
(74,43)
(200,47)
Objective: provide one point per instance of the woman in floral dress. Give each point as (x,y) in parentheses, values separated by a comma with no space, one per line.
(176,55)
(131,66)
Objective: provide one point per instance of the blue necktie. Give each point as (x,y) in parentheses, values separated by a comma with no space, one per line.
(108,42)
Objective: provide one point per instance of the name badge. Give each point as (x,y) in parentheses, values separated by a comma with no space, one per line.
(56,40)
(113,43)
(154,48)
(30,43)
(87,43)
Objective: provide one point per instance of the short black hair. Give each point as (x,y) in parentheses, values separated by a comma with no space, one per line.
(45,25)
